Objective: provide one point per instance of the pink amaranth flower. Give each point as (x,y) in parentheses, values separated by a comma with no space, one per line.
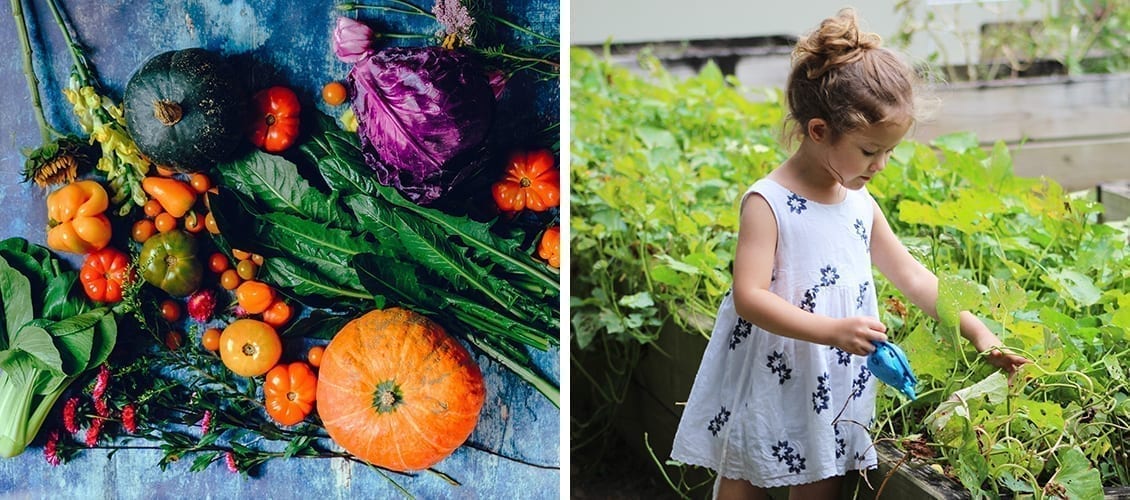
(51,449)
(93,433)
(101,382)
(206,422)
(69,410)
(129,419)
(352,40)
(455,19)
(101,408)
(229,460)
(201,304)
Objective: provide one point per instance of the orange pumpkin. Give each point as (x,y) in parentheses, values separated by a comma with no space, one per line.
(395,390)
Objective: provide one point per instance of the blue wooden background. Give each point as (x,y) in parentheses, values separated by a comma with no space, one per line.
(289,43)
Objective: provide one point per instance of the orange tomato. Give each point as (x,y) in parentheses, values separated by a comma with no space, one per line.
(254,296)
(152,208)
(165,222)
(210,223)
(218,262)
(240,254)
(200,182)
(210,340)
(334,93)
(193,222)
(229,280)
(246,269)
(277,314)
(314,355)
(290,391)
(143,230)
(250,347)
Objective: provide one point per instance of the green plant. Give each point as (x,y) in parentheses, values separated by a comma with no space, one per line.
(1081,36)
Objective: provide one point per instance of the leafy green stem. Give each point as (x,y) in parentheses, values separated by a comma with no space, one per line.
(45,130)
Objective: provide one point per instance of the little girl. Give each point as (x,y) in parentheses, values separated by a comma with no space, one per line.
(788,349)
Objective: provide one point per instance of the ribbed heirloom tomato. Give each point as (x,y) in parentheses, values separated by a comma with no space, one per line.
(250,347)
(290,391)
(531,181)
(103,275)
(274,123)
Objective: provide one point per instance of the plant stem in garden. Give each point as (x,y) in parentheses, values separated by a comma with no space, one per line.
(525,373)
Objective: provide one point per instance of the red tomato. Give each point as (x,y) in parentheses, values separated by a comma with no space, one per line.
(103,274)
(274,125)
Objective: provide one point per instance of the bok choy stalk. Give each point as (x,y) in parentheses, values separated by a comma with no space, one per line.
(48,339)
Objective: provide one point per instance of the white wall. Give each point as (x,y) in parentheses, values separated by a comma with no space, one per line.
(593,22)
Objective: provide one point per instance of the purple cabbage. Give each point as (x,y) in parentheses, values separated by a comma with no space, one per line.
(423,113)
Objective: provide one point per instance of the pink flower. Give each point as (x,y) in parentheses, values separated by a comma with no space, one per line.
(240,312)
(455,19)
(229,460)
(51,449)
(101,382)
(129,419)
(201,304)
(101,408)
(69,410)
(206,422)
(94,432)
(353,40)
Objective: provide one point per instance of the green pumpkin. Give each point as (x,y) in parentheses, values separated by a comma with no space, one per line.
(184,109)
(168,261)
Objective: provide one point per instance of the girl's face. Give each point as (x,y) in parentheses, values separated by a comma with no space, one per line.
(858,156)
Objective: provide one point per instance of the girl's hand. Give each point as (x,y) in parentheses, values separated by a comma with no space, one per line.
(1005,360)
(856,334)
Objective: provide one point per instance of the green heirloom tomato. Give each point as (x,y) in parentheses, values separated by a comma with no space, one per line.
(168,261)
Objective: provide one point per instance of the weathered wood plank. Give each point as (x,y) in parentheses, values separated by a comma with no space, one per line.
(1076,164)
(1115,197)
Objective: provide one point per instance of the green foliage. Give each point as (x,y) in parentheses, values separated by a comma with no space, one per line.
(657,168)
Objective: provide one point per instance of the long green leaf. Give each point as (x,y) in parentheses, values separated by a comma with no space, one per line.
(36,342)
(275,183)
(305,282)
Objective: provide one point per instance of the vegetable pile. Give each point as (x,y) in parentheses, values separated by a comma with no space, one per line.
(283,267)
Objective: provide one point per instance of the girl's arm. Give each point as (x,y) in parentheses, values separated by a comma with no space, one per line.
(920,285)
(753,269)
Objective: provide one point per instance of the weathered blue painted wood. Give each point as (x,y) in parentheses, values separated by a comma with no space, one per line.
(284,42)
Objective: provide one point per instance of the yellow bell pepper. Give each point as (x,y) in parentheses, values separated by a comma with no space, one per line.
(76,218)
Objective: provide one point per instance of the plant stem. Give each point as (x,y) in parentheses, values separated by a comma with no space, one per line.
(85,75)
(45,130)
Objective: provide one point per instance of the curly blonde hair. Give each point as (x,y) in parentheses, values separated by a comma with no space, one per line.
(845,77)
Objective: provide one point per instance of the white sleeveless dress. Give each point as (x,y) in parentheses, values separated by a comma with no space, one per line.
(767,408)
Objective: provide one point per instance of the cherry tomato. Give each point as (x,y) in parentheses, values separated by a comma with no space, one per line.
(250,347)
(165,222)
(314,355)
(218,262)
(170,310)
(254,296)
(173,340)
(152,208)
(246,269)
(229,279)
(200,182)
(211,339)
(334,93)
(290,391)
(277,314)
(143,230)
(210,223)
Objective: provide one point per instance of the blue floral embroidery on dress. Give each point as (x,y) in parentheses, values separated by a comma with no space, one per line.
(741,331)
(862,294)
(841,444)
(820,398)
(860,382)
(809,302)
(719,420)
(796,203)
(828,276)
(842,357)
(784,452)
(777,365)
(861,231)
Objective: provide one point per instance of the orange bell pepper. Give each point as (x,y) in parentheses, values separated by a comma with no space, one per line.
(175,196)
(76,220)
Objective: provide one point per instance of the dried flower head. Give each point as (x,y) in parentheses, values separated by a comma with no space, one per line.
(206,422)
(129,419)
(101,408)
(101,382)
(57,162)
(93,433)
(229,460)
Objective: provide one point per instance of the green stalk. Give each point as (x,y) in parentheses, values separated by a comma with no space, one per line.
(86,76)
(15,403)
(45,130)
(525,373)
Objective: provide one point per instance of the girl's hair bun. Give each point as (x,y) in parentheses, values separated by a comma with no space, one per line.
(837,41)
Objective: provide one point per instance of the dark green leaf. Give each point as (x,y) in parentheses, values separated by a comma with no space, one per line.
(318,324)
(59,302)
(15,293)
(275,183)
(203,460)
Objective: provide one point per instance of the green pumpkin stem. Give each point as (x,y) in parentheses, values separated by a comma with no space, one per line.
(168,112)
(387,397)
